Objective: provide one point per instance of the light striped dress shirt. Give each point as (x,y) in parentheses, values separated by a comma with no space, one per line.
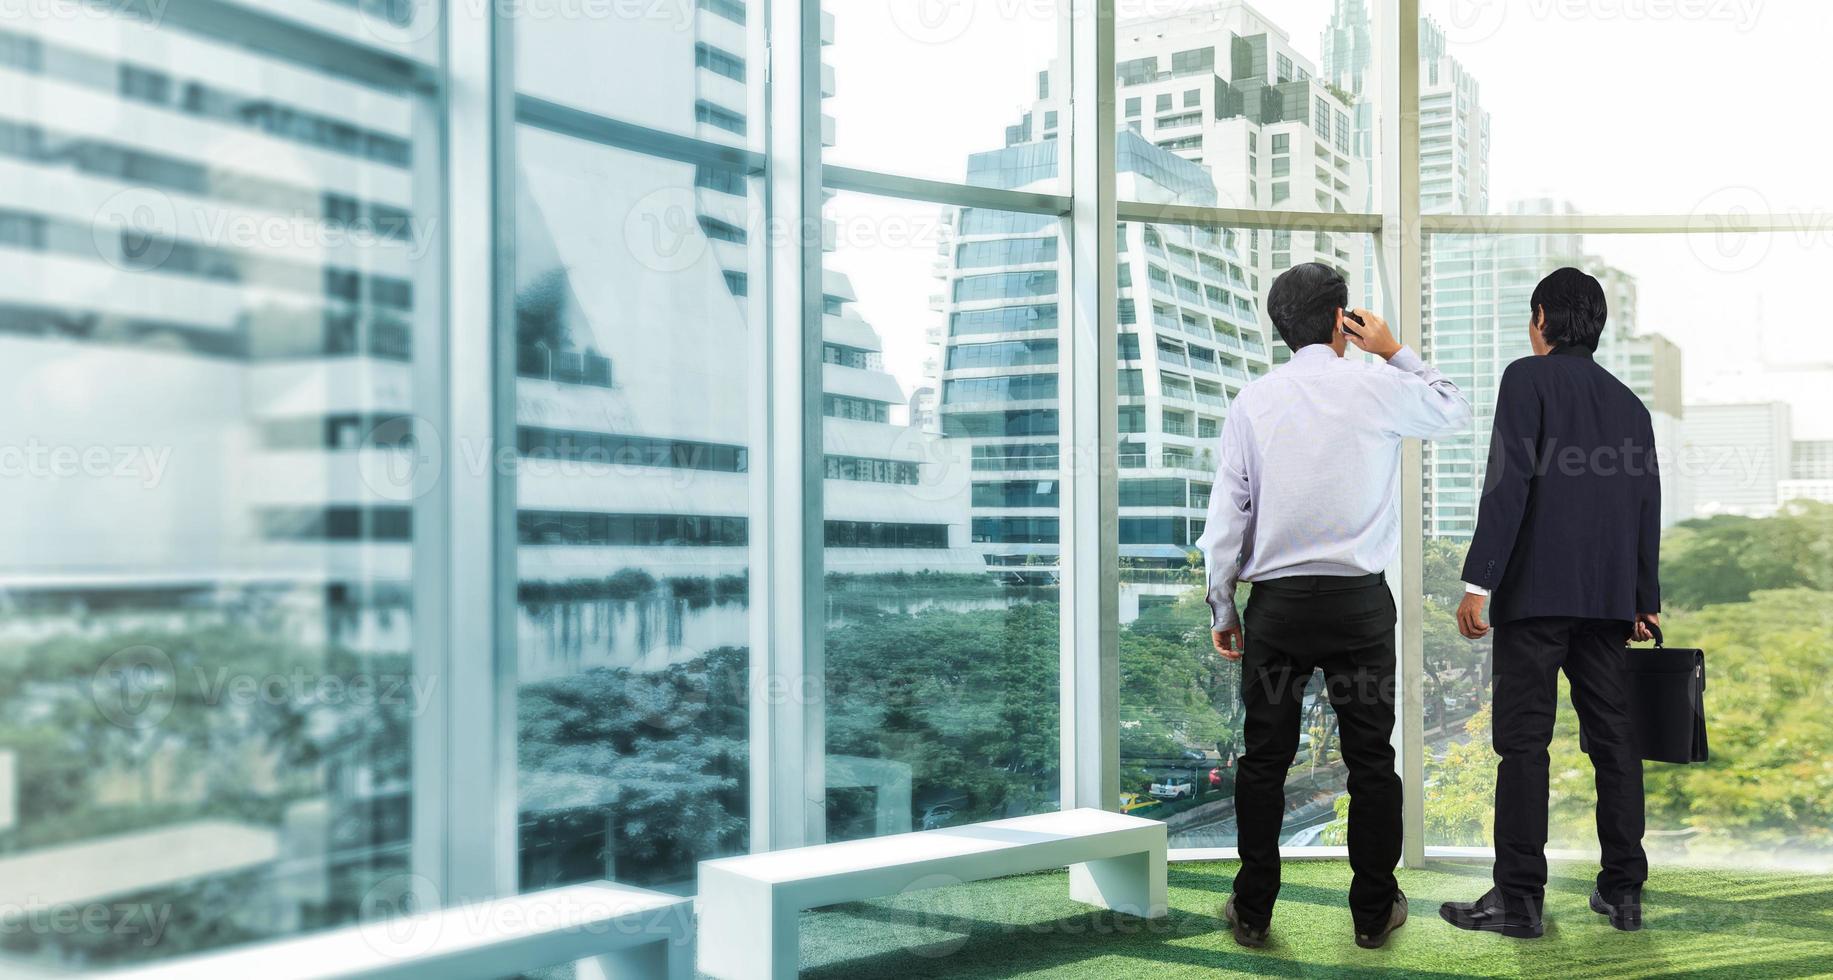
(1309,468)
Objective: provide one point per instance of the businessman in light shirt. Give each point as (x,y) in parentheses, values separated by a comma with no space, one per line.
(1304,507)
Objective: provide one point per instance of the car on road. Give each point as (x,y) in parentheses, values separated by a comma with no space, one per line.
(1133,801)
(1174,786)
(938,816)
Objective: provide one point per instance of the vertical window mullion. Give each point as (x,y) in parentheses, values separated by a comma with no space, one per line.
(1089,529)
(788,722)
(475,590)
(1400,266)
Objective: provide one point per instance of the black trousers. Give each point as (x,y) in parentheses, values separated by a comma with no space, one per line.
(1529,654)
(1294,626)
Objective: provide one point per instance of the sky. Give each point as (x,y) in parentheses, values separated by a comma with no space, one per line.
(1689,107)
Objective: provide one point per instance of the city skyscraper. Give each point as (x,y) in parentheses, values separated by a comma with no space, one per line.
(1453,125)
(1223,86)
(1453,130)
(1474,286)
(1218,109)
(314,349)
(1189,340)
(1477,293)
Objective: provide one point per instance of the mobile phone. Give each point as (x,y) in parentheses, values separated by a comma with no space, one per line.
(1350,315)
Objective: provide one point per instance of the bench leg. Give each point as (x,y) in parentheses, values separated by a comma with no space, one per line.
(1132,883)
(668,959)
(668,956)
(771,951)
(746,934)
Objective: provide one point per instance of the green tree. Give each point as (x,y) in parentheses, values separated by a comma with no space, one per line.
(968,700)
(1176,692)
(655,761)
(1726,558)
(1769,677)
(1461,788)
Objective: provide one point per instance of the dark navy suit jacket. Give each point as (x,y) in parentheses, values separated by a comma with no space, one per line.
(1570,520)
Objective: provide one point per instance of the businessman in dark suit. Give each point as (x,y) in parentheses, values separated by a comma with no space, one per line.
(1566,552)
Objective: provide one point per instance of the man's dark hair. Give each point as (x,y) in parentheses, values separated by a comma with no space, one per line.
(1575,308)
(1303,304)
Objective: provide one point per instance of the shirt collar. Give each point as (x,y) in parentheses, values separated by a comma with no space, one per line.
(1313,356)
(1571,350)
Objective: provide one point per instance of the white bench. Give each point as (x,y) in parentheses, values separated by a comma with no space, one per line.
(615,932)
(750,905)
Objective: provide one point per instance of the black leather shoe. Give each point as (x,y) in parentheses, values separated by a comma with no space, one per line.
(1245,934)
(1395,919)
(1625,914)
(1494,912)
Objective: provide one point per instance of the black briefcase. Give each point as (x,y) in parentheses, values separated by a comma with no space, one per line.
(1667,702)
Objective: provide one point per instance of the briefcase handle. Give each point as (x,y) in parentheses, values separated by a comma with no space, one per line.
(1655,631)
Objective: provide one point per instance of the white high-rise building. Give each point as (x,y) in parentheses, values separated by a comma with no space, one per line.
(679,514)
(1189,340)
(272,385)
(213,265)
(1224,87)
(1453,131)
(1453,125)
(1738,455)
(1218,109)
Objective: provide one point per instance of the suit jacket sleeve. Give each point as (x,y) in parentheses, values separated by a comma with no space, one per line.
(1512,451)
(1648,551)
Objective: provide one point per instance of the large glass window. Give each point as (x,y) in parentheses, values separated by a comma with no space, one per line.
(921,88)
(635,311)
(1746,526)
(218,265)
(239,301)
(1180,704)
(942,644)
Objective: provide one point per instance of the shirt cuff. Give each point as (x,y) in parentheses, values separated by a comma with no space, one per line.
(1222,614)
(1406,360)
(1474,589)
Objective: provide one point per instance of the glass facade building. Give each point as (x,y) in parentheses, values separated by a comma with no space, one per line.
(461,451)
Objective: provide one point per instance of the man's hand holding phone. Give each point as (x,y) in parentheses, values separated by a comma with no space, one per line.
(1370,334)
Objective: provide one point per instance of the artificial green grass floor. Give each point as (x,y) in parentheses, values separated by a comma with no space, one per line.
(1697,923)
